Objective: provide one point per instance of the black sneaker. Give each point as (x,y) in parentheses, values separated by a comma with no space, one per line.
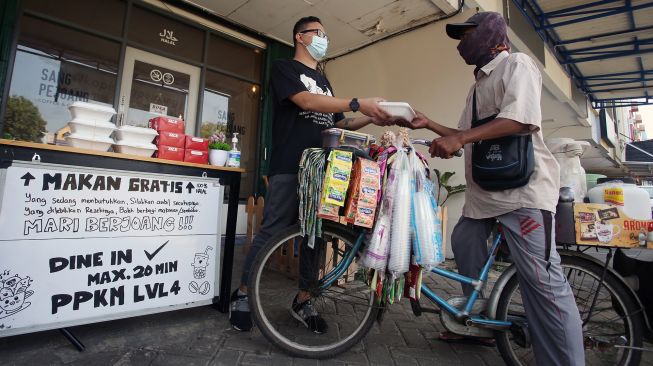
(306,313)
(239,315)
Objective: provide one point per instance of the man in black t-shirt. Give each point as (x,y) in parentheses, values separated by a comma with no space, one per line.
(304,105)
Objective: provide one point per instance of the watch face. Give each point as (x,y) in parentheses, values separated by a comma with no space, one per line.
(354,105)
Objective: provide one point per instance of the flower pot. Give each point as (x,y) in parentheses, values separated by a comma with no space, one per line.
(218,157)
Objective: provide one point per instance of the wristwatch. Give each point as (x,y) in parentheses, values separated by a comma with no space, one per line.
(354,105)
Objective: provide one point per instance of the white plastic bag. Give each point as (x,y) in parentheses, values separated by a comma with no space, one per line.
(401,222)
(427,246)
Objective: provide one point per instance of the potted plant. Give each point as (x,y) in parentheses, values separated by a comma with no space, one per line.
(218,149)
(444,191)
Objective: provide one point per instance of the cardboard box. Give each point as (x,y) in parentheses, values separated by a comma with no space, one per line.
(174,139)
(196,156)
(167,124)
(196,143)
(170,153)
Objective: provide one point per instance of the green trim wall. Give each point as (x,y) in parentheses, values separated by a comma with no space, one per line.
(275,51)
(9,10)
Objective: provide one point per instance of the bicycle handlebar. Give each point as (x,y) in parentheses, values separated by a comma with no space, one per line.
(427,143)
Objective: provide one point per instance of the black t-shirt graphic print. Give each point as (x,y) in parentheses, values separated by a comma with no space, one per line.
(295,129)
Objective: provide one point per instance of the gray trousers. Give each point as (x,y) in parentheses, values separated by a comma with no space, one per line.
(281,211)
(553,318)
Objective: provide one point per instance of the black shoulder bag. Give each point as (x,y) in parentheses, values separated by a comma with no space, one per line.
(502,163)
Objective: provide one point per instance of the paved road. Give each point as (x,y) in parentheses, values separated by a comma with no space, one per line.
(202,336)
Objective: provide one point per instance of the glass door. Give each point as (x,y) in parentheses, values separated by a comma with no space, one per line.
(154,86)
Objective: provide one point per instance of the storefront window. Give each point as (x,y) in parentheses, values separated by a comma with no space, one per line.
(164,34)
(235,57)
(163,58)
(101,15)
(232,105)
(54,67)
(155,87)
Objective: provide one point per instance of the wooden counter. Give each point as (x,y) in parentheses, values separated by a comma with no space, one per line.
(69,149)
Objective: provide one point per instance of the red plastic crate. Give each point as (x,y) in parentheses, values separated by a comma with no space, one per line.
(170,153)
(167,124)
(196,156)
(174,139)
(196,143)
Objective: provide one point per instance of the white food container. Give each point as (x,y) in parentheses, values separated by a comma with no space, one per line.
(398,110)
(91,112)
(90,143)
(145,149)
(91,129)
(135,135)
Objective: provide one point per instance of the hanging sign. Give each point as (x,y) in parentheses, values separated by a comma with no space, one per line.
(84,245)
(158,109)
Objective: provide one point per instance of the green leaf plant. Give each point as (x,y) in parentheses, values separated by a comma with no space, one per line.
(445,190)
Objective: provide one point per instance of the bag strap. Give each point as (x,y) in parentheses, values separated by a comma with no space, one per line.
(474,112)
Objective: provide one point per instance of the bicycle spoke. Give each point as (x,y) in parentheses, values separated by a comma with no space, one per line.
(608,317)
(339,297)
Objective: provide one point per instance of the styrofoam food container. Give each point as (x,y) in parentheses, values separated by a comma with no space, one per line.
(143,149)
(398,110)
(336,137)
(91,129)
(91,112)
(135,135)
(91,143)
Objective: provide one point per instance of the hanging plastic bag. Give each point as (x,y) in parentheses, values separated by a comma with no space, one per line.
(401,212)
(378,241)
(423,216)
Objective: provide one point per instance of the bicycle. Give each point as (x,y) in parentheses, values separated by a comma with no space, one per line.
(612,319)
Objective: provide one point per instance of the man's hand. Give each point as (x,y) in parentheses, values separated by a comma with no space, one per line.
(445,147)
(370,107)
(420,121)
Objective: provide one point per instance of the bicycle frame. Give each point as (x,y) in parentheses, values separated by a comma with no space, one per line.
(462,315)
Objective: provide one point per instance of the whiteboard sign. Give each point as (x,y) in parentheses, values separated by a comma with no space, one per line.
(79,246)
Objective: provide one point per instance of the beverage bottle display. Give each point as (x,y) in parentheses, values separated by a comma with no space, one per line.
(234,154)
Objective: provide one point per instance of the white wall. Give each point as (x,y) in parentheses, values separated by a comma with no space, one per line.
(421,67)
(241,223)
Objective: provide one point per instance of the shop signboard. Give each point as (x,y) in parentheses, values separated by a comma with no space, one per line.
(80,245)
(606,225)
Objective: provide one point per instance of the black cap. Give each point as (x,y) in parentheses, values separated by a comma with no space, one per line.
(455,30)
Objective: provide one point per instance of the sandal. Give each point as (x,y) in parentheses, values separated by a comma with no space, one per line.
(456,338)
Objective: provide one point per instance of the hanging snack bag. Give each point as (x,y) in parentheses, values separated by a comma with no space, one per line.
(337,177)
(336,183)
(361,202)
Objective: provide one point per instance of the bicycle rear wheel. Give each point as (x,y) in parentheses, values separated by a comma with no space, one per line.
(612,321)
(347,305)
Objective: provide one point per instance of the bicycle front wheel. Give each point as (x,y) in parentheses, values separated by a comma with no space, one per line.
(612,321)
(344,301)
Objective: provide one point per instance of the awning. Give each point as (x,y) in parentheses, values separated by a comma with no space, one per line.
(606,46)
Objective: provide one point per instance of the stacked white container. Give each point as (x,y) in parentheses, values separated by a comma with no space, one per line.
(633,200)
(90,126)
(135,140)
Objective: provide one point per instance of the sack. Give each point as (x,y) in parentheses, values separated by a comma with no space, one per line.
(502,163)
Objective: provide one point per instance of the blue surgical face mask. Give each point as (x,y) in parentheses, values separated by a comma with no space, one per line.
(318,47)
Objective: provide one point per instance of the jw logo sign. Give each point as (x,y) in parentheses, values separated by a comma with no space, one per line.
(168,37)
